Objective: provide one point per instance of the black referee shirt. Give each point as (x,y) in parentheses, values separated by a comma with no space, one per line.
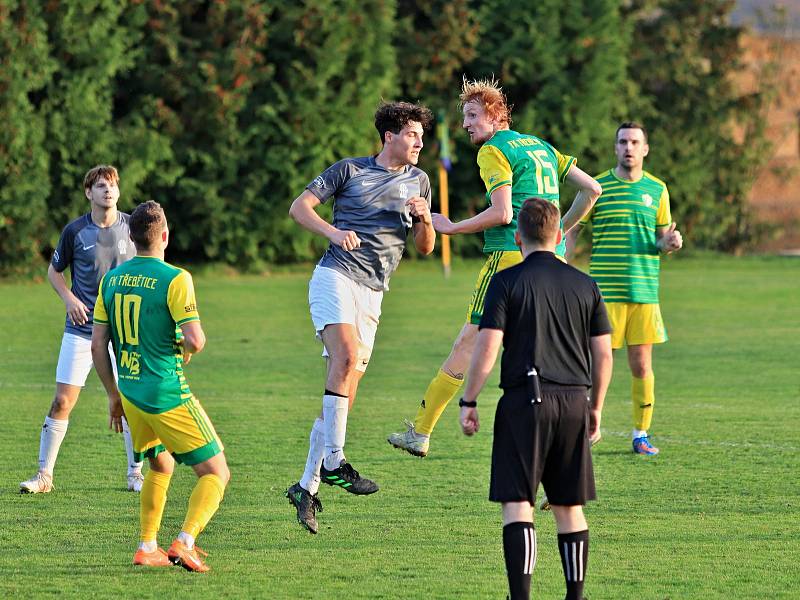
(547,311)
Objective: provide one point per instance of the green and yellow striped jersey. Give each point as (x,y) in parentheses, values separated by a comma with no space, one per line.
(531,166)
(625,260)
(144,301)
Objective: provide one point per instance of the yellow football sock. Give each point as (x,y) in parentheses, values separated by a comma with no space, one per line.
(644,397)
(203,503)
(152,499)
(441,390)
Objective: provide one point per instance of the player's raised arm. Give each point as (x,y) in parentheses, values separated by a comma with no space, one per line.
(304,213)
(500,212)
(588,193)
(424,233)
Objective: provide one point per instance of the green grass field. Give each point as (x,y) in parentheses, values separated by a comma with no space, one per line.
(714,516)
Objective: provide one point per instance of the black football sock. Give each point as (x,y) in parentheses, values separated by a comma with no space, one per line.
(519,548)
(574,550)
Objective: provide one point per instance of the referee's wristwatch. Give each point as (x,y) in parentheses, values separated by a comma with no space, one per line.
(462,402)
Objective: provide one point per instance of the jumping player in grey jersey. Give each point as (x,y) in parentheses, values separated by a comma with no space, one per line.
(90,246)
(377,201)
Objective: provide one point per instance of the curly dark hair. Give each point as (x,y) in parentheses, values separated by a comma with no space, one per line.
(393,116)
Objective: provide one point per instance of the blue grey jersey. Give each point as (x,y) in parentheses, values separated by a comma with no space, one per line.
(371,201)
(90,252)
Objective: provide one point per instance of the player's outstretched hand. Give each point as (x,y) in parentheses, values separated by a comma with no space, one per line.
(418,207)
(442,224)
(347,240)
(77,311)
(115,413)
(470,424)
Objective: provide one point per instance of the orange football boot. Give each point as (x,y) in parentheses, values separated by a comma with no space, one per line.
(180,554)
(157,558)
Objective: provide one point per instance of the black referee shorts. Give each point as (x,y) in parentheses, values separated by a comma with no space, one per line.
(547,442)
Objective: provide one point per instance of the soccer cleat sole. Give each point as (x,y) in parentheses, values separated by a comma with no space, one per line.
(416,453)
(302,523)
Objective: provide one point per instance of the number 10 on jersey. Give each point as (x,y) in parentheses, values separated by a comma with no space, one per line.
(126,312)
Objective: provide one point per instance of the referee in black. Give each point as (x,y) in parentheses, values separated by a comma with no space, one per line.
(551,321)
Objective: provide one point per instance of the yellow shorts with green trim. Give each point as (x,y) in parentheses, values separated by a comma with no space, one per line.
(635,324)
(497,261)
(185,431)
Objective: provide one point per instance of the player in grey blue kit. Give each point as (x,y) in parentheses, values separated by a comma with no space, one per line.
(378,200)
(90,245)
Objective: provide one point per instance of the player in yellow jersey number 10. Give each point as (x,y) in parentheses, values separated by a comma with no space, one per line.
(165,418)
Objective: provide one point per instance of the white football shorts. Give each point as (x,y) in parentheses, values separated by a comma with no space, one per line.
(75,360)
(334,298)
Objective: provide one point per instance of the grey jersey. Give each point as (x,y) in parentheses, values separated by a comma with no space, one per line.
(90,252)
(370,200)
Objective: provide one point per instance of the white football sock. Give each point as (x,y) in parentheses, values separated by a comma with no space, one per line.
(149,546)
(334,412)
(133,466)
(316,452)
(53,432)
(188,540)
(637,433)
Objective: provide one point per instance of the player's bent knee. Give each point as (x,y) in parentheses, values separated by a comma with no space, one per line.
(216,465)
(162,463)
(222,471)
(343,363)
(62,403)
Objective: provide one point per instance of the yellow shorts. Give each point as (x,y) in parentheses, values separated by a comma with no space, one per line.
(497,261)
(185,431)
(635,324)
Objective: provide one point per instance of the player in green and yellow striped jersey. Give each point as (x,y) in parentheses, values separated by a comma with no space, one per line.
(147,308)
(514,167)
(631,227)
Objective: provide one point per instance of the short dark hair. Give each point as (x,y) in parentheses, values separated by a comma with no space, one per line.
(631,125)
(538,221)
(146,224)
(393,116)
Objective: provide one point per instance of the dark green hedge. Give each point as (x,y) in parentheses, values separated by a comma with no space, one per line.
(223,111)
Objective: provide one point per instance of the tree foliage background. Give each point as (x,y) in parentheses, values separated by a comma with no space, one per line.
(224,110)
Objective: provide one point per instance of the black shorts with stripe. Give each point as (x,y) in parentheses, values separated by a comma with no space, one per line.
(545,443)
